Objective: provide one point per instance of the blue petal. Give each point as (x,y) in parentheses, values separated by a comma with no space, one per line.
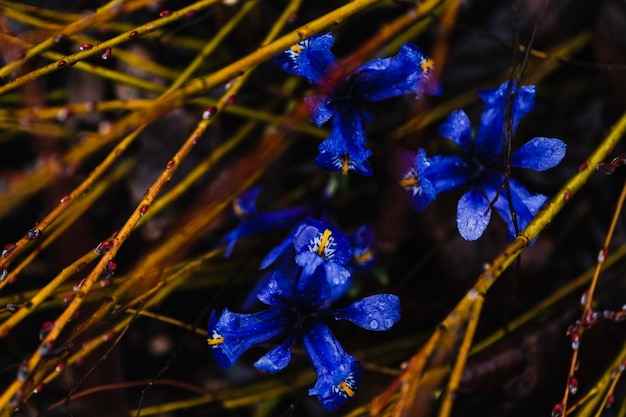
(310,58)
(525,204)
(279,291)
(245,204)
(488,140)
(276,359)
(338,373)
(343,163)
(363,243)
(313,290)
(390,77)
(472,214)
(337,276)
(539,154)
(323,239)
(447,172)
(283,248)
(458,129)
(417,184)
(234,333)
(377,312)
(321,108)
(346,134)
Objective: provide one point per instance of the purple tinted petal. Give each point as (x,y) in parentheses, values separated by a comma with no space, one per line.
(346,134)
(276,359)
(234,333)
(390,77)
(539,154)
(338,373)
(458,129)
(310,58)
(472,214)
(323,239)
(377,312)
(320,108)
(343,163)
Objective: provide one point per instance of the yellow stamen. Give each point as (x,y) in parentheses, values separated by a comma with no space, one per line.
(324,242)
(409,182)
(237,209)
(346,164)
(213,341)
(427,65)
(364,257)
(296,49)
(344,386)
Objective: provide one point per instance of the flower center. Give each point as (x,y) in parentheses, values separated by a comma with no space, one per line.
(324,242)
(216,339)
(347,387)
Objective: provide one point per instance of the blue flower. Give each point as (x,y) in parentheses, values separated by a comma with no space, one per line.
(253,221)
(481,166)
(343,95)
(363,242)
(296,309)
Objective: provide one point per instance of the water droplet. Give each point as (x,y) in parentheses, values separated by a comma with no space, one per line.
(46,328)
(164,13)
(105,282)
(106,54)
(230,101)
(86,47)
(110,269)
(104,247)
(65,199)
(374,324)
(78,286)
(58,38)
(208,113)
(610,401)
(388,323)
(230,83)
(195,139)
(170,164)
(61,63)
(573,385)
(575,341)
(60,366)
(68,298)
(17,398)
(39,388)
(12,308)
(46,348)
(22,371)
(584,298)
(143,209)
(292,18)
(8,248)
(3,274)
(602,255)
(190,14)
(566,197)
(33,234)
(108,336)
(133,34)
(582,166)
(557,410)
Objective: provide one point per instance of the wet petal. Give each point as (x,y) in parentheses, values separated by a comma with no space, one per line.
(488,140)
(338,373)
(447,172)
(539,154)
(343,163)
(525,204)
(417,184)
(325,240)
(276,359)
(234,333)
(313,290)
(458,129)
(320,108)
(279,291)
(346,134)
(310,58)
(390,77)
(472,214)
(377,312)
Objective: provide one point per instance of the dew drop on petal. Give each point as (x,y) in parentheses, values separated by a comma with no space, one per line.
(106,54)
(374,324)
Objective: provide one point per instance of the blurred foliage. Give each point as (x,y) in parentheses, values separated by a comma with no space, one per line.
(126,131)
